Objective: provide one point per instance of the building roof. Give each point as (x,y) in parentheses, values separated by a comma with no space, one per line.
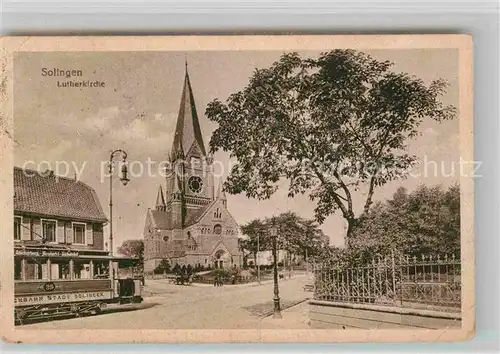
(47,194)
(161,219)
(193,216)
(187,130)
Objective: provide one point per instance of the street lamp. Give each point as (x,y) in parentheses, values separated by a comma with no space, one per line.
(124,179)
(277,310)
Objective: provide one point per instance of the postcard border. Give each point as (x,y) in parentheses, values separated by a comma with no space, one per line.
(11,45)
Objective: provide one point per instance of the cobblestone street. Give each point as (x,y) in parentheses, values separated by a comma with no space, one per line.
(169,306)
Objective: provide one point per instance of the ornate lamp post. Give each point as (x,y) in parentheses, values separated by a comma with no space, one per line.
(124,179)
(277,310)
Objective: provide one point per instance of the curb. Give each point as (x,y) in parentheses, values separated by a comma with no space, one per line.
(289,307)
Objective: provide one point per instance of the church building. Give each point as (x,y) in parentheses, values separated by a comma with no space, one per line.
(190,223)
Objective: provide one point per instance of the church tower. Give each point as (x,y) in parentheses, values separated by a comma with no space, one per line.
(190,223)
(190,184)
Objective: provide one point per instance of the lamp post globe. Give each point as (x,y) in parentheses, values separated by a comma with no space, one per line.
(124,179)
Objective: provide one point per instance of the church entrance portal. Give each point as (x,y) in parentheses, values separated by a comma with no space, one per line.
(219,256)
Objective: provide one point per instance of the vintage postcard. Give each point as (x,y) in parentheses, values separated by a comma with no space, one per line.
(197,189)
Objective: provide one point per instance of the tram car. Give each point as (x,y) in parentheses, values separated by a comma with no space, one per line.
(59,283)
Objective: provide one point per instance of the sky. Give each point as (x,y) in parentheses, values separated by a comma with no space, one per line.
(136,110)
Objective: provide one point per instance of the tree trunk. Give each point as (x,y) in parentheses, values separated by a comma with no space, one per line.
(351,224)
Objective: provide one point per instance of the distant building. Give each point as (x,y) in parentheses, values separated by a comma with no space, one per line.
(265,258)
(59,217)
(190,224)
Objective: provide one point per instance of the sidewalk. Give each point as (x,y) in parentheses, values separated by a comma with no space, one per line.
(296,317)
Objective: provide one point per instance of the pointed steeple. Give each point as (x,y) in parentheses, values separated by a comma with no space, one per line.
(160,200)
(187,130)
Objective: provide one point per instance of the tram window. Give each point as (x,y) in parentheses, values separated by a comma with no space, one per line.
(101,269)
(59,270)
(36,269)
(18,273)
(82,270)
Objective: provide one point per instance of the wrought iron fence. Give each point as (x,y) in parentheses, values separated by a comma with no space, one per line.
(396,281)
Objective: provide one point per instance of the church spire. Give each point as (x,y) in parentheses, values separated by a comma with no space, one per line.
(187,130)
(160,200)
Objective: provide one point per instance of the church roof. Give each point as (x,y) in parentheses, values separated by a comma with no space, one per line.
(194,216)
(162,219)
(187,130)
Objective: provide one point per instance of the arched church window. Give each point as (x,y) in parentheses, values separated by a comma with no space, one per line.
(217,229)
(165,238)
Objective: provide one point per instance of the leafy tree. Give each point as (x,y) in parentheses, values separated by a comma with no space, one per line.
(163,267)
(329,125)
(296,235)
(257,239)
(426,221)
(314,241)
(134,249)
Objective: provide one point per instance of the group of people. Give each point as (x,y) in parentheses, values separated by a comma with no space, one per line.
(218,280)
